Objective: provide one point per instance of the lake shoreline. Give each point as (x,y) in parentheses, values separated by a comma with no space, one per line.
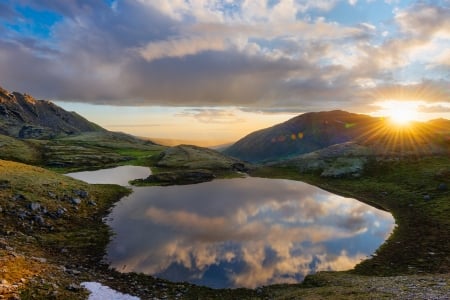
(314,286)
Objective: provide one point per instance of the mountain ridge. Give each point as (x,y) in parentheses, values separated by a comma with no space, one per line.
(22,116)
(302,134)
(313,131)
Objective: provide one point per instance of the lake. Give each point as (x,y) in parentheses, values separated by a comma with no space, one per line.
(118,175)
(244,232)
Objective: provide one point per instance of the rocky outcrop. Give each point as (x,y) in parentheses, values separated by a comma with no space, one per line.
(176,178)
(22,116)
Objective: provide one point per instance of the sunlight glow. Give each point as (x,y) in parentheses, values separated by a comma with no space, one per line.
(400,113)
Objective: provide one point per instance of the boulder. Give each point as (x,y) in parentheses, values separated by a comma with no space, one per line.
(75,201)
(344,167)
(81,193)
(33,206)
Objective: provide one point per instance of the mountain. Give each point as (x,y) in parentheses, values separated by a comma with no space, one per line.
(40,133)
(22,116)
(302,134)
(318,130)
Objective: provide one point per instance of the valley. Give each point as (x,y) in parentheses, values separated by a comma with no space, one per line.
(53,238)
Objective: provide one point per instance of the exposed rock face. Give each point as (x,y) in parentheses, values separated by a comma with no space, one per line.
(22,116)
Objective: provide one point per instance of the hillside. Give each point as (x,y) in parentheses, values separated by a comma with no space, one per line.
(314,131)
(22,116)
(40,133)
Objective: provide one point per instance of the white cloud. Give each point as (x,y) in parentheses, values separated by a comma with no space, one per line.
(181,47)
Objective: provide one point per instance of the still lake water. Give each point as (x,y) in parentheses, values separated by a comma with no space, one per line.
(242,232)
(118,175)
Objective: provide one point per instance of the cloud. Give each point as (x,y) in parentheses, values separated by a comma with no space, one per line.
(181,47)
(212,116)
(436,108)
(248,54)
(425,20)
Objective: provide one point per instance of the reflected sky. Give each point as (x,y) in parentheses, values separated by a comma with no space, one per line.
(242,232)
(118,175)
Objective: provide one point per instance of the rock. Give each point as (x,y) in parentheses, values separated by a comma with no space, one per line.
(344,167)
(81,193)
(18,197)
(427,197)
(22,215)
(52,195)
(239,167)
(40,259)
(73,272)
(74,287)
(33,206)
(442,187)
(39,220)
(92,203)
(60,212)
(75,201)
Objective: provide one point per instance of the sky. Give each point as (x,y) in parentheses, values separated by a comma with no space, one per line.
(216,70)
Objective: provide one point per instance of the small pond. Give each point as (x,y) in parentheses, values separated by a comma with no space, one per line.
(242,232)
(118,175)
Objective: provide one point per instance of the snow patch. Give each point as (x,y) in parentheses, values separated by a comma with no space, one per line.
(102,292)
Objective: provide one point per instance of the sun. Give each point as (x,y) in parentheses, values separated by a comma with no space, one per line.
(400,113)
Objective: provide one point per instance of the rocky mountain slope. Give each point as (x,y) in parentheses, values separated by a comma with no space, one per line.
(24,117)
(38,132)
(314,131)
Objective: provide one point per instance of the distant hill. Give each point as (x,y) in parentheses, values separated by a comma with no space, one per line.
(22,116)
(318,130)
(302,134)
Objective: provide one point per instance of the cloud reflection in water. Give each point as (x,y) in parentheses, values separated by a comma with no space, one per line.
(242,232)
